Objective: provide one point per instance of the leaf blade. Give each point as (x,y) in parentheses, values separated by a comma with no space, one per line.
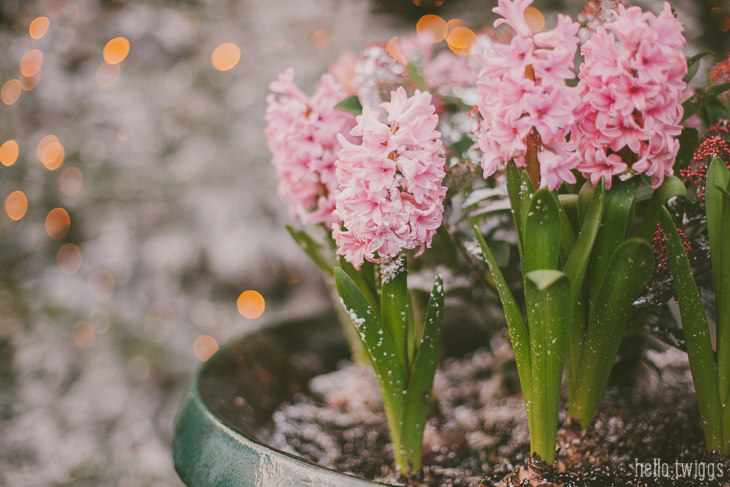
(697,338)
(420,385)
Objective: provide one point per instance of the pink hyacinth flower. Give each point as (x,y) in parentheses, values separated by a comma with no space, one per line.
(301,134)
(522,90)
(632,87)
(391,197)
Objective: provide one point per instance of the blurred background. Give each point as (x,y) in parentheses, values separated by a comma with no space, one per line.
(140,225)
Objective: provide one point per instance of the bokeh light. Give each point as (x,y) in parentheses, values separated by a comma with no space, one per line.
(16,205)
(10,91)
(535,19)
(251,304)
(9,152)
(31,62)
(23,19)
(101,284)
(204,347)
(116,50)
(83,334)
(50,152)
(71,181)
(28,83)
(226,56)
(39,27)
(69,258)
(394,51)
(722,19)
(107,74)
(57,223)
(55,7)
(461,39)
(320,41)
(432,24)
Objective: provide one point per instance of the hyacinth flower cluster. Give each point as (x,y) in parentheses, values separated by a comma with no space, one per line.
(587,165)
(581,276)
(631,85)
(528,112)
(302,133)
(391,197)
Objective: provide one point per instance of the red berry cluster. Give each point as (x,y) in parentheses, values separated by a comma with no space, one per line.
(712,145)
(661,258)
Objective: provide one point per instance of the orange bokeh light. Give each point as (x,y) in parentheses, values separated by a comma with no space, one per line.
(28,83)
(57,223)
(534,18)
(432,24)
(116,50)
(251,304)
(39,27)
(108,74)
(101,284)
(394,51)
(9,152)
(10,91)
(226,56)
(69,258)
(31,63)
(461,39)
(50,152)
(71,181)
(83,334)
(204,347)
(16,205)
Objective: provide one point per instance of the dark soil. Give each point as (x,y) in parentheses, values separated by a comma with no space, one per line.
(279,388)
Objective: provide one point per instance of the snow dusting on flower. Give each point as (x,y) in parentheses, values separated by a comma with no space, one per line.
(301,134)
(631,84)
(391,194)
(522,92)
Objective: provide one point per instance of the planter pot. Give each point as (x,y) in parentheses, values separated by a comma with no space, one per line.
(214,442)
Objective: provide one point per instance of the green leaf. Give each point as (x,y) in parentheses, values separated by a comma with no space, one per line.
(693,64)
(575,267)
(689,139)
(723,310)
(714,111)
(617,216)
(569,202)
(671,187)
(526,194)
(542,233)
(362,279)
(515,321)
(416,76)
(395,304)
(312,249)
(718,177)
(514,190)
(549,313)
(627,273)
(585,196)
(696,335)
(701,98)
(567,236)
(381,349)
(459,148)
(420,385)
(351,104)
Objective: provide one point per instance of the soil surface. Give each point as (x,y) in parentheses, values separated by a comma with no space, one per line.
(477,434)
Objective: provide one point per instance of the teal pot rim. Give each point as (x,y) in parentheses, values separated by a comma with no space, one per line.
(209,452)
